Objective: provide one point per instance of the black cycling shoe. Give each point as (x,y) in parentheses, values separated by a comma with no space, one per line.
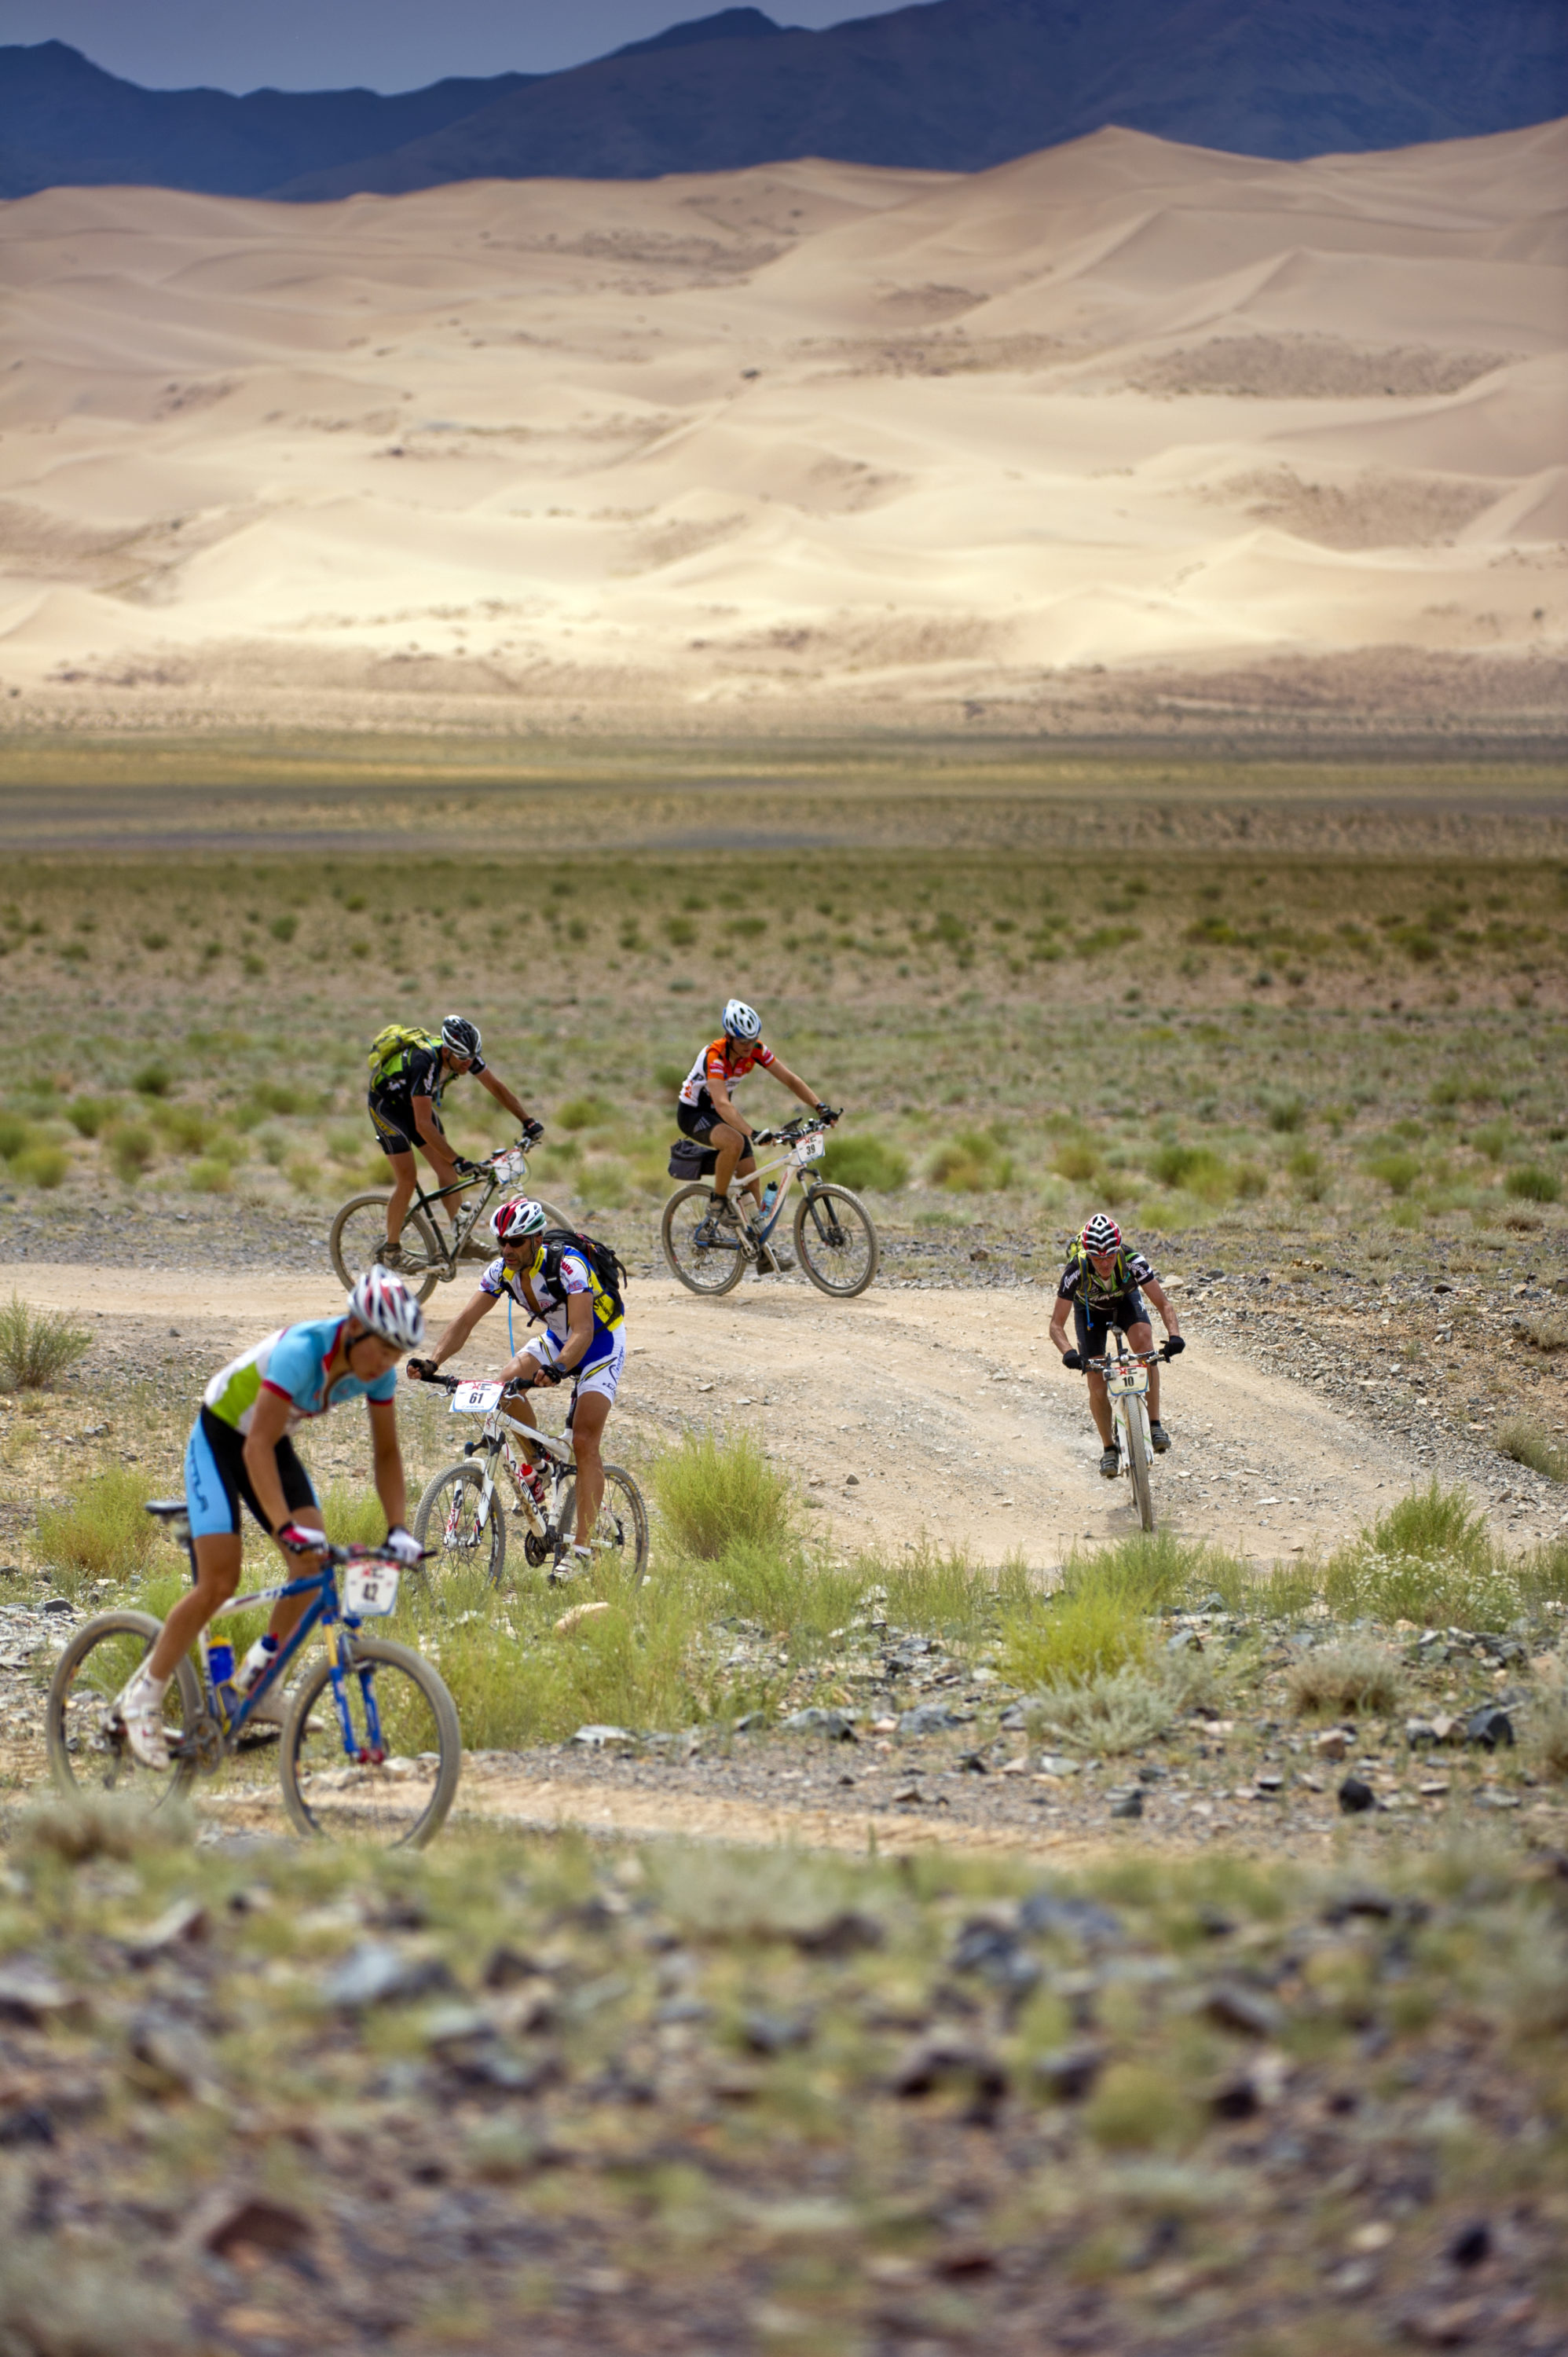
(1159,1439)
(1111,1463)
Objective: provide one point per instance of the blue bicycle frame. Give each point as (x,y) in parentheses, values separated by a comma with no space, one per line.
(326,1613)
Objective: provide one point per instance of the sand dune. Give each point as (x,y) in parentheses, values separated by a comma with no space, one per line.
(809,442)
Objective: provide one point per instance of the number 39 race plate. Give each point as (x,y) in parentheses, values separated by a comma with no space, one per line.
(476,1399)
(370,1590)
(813,1149)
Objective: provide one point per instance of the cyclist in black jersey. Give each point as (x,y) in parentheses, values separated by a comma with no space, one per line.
(1104,1285)
(405,1112)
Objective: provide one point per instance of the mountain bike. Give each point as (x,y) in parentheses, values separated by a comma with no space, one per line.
(1126,1374)
(709,1247)
(461,1519)
(370,1749)
(357,1239)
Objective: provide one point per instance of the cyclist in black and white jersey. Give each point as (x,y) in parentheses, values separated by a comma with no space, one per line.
(1105,1285)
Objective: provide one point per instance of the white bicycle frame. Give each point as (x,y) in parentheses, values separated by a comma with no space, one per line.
(795,1162)
(1126,1374)
(496,1427)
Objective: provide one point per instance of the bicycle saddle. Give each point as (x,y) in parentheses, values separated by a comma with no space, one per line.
(167,1510)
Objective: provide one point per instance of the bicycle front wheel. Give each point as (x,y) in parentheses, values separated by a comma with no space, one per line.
(86,1747)
(452,1519)
(358,1232)
(1138,1465)
(707,1257)
(620,1536)
(389,1781)
(836,1241)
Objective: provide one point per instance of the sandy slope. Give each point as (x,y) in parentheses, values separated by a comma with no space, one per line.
(805,438)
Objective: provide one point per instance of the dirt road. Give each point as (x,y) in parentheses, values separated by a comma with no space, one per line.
(907,1415)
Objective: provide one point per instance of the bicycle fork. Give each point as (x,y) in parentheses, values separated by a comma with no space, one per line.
(373,1752)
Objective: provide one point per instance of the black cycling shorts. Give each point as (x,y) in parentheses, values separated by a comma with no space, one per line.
(700,1121)
(392,1121)
(216,1479)
(1093,1327)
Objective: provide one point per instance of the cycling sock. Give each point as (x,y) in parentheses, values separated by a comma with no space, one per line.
(144,1682)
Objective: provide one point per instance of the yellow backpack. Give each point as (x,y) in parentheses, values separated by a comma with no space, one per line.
(391,1047)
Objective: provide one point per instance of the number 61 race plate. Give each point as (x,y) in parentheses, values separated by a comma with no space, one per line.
(370,1590)
(476,1399)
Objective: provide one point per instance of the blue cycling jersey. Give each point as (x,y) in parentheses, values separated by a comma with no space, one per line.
(291,1363)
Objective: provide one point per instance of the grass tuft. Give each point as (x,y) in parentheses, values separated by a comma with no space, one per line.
(1112,1712)
(1547,1744)
(1351,1677)
(1530,1442)
(718,1492)
(866,1162)
(1534,1185)
(36,1345)
(104,1532)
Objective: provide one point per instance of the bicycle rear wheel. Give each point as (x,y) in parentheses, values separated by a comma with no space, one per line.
(358,1232)
(620,1536)
(1138,1463)
(447,1519)
(88,1751)
(706,1258)
(397,1707)
(836,1241)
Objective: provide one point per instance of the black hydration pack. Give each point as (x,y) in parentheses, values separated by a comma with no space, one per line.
(604,1260)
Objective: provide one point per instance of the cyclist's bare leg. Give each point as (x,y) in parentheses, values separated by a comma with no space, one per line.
(733,1150)
(402,1178)
(1141,1338)
(288,1610)
(1099,1409)
(217,1577)
(588,1419)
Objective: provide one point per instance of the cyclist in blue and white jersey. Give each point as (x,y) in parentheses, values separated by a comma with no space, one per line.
(583,1339)
(241,1451)
(1104,1285)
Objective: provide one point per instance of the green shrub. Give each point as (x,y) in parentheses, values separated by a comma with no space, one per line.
(1534,1185)
(154,940)
(970,1164)
(36,1345)
(131,1148)
(1076,1159)
(1250,1181)
(582,1112)
(354,1515)
(211,1175)
(1399,1172)
(153,1080)
(1530,1442)
(680,932)
(41,1165)
(14,1134)
(186,1127)
(87,1116)
(1547,1742)
(105,1531)
(1116,1712)
(284,928)
(1198,1171)
(718,1491)
(1433,1524)
(865,1162)
(1492,1140)
(1288,1114)
(671,1078)
(1137,2108)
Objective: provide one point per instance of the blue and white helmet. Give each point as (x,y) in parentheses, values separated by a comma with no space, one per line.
(741,1021)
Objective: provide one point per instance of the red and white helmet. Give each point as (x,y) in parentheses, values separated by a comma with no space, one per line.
(519,1218)
(384,1304)
(1100,1233)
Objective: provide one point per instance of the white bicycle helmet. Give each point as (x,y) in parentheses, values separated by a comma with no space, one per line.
(385,1305)
(521,1217)
(459,1035)
(741,1021)
(1101,1234)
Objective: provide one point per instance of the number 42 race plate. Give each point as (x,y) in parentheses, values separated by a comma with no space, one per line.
(476,1399)
(370,1590)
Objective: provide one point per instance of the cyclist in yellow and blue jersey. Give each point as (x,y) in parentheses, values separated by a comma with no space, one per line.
(1105,1285)
(552,1278)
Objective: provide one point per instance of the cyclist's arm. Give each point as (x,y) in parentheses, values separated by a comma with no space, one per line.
(502,1094)
(793,1082)
(719,1097)
(1155,1292)
(269,1422)
(429,1129)
(478,1306)
(579,1331)
(1060,1316)
(387,1462)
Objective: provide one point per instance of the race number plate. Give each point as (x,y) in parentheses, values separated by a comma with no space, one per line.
(813,1149)
(476,1399)
(370,1590)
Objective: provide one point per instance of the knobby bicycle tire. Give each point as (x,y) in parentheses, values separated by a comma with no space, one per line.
(808,1236)
(423,1286)
(728,1264)
(624,1499)
(65,1765)
(313,1691)
(1138,1466)
(469,1475)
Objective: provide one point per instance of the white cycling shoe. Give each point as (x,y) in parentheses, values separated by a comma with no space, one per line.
(141,1714)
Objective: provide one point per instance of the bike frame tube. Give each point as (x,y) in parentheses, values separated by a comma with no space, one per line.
(323,1614)
(790,1161)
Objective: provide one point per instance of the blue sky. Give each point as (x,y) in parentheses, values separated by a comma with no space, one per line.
(382,44)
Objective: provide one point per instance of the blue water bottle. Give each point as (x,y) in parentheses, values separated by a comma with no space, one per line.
(769,1197)
(220,1663)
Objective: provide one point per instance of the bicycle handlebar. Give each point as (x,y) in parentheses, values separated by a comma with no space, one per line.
(1125,1359)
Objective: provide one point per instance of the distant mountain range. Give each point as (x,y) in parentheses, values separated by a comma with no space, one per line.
(953,85)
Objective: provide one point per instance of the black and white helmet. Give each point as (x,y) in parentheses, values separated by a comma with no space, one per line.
(741,1021)
(460,1036)
(1100,1233)
(383,1303)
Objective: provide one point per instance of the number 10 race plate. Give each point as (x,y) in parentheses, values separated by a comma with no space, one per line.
(476,1399)
(370,1590)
